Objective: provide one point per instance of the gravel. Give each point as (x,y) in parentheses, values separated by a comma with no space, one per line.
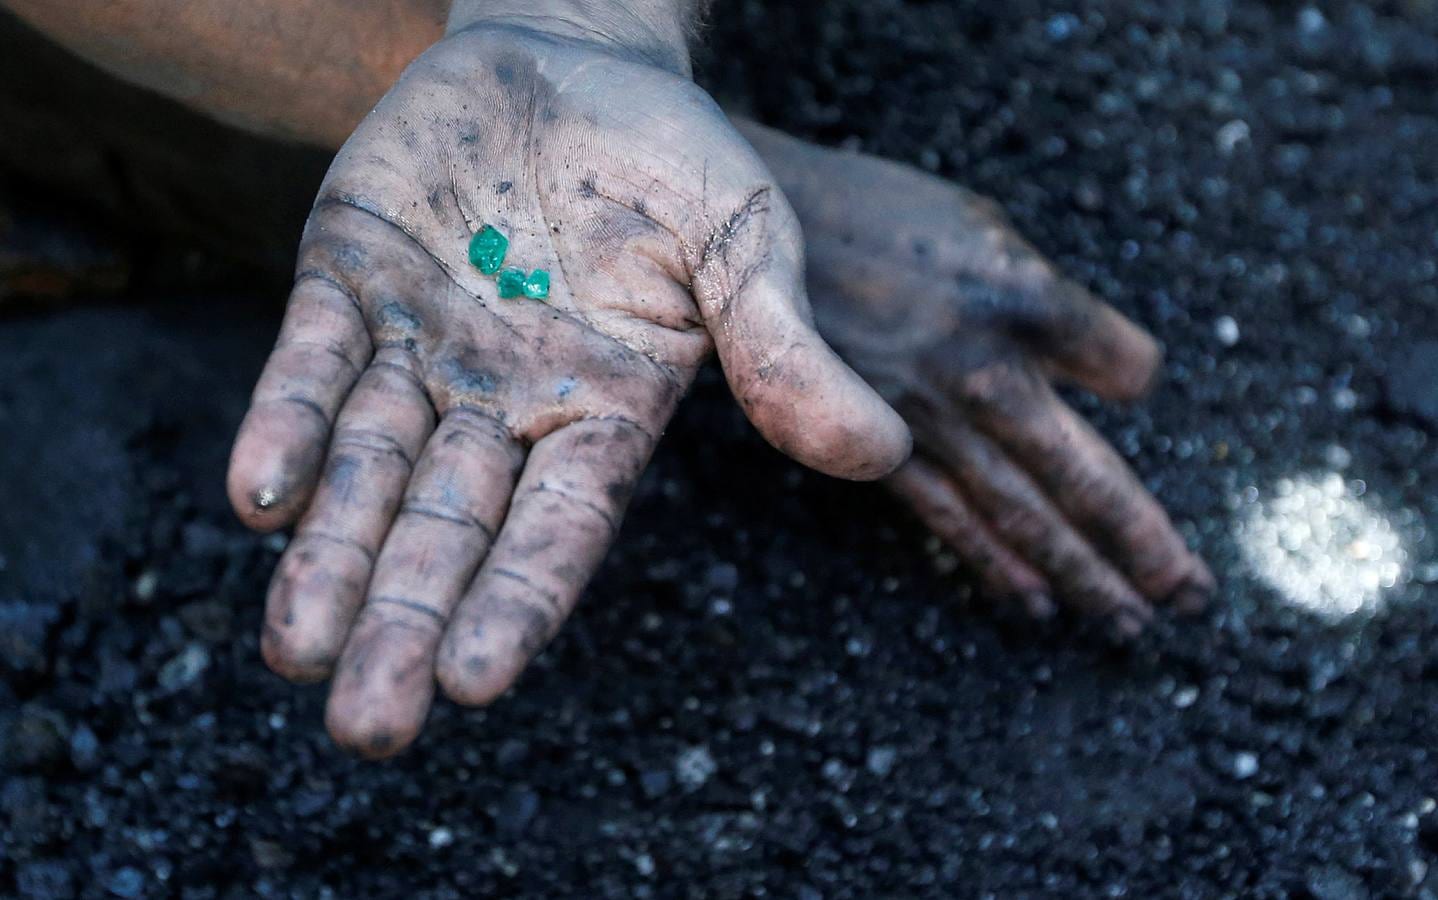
(1268,163)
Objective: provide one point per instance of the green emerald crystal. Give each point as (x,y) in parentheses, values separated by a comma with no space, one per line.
(511,283)
(536,286)
(487,249)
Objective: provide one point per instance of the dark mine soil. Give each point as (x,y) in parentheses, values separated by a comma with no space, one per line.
(778,687)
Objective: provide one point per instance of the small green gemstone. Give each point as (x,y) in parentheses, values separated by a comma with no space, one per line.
(487,249)
(536,286)
(511,283)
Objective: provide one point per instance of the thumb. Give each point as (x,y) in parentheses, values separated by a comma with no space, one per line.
(748,277)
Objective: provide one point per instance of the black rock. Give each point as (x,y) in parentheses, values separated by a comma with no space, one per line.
(127,882)
(84,748)
(516,811)
(655,782)
(1334,883)
(512,753)
(1411,382)
(208,620)
(24,632)
(46,879)
(36,739)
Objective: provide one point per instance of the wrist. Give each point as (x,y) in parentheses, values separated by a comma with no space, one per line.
(654,31)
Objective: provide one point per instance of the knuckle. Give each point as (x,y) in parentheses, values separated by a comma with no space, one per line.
(1022,524)
(376,444)
(1002,387)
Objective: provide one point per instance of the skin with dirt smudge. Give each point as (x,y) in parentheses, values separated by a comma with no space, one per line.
(930,294)
(462,462)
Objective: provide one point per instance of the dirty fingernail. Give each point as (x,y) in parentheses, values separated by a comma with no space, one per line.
(1039,604)
(1190,598)
(1127,625)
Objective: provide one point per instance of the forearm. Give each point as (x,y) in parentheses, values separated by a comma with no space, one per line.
(305,70)
(309,70)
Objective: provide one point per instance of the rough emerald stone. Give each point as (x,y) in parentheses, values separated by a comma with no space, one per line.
(511,283)
(536,286)
(487,249)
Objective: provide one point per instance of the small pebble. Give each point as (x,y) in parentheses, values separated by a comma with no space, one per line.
(1061,27)
(1230,136)
(84,749)
(1245,765)
(127,882)
(1226,330)
(694,767)
(516,811)
(655,783)
(880,761)
(185,669)
(146,585)
(1311,20)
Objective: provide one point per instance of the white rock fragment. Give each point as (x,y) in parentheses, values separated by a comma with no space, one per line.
(881,761)
(1230,136)
(184,669)
(1245,765)
(440,838)
(1225,328)
(146,585)
(695,766)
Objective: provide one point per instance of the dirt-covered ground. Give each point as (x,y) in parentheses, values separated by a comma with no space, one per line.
(777,686)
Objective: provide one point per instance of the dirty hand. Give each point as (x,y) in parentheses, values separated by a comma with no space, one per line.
(459,463)
(927,291)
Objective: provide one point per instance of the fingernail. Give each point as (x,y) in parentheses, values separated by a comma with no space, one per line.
(1128,625)
(1190,598)
(1039,604)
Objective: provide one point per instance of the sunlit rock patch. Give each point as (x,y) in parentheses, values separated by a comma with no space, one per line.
(1320,545)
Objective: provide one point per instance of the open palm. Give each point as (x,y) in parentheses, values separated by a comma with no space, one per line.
(460,462)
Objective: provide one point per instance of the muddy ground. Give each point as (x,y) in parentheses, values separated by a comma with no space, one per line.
(777,686)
